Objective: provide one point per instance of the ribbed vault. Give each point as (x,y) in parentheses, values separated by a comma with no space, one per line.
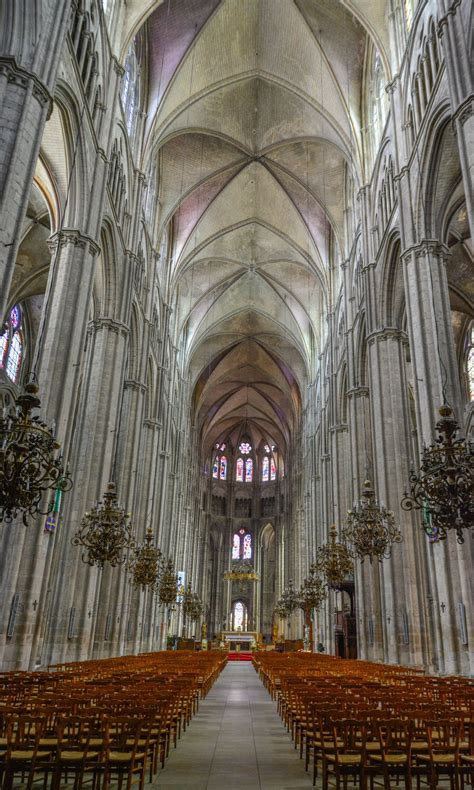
(254,118)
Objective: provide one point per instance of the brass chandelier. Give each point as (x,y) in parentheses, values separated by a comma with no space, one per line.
(105,532)
(241,572)
(312,592)
(444,486)
(146,564)
(168,584)
(29,465)
(192,604)
(288,602)
(334,561)
(370,529)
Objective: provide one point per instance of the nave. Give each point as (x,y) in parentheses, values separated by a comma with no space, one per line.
(235,740)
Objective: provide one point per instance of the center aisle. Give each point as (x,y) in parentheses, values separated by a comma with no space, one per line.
(236,740)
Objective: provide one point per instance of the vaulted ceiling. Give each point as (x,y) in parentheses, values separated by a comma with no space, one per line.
(254,119)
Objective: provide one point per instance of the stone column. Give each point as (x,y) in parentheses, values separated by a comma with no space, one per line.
(91,451)
(458,60)
(405,587)
(435,377)
(31,44)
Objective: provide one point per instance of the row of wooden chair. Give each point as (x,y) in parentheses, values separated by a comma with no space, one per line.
(101,721)
(365,721)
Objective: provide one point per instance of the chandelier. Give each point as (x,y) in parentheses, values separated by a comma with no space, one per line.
(370,529)
(240,572)
(444,487)
(288,602)
(105,532)
(168,584)
(29,465)
(312,592)
(146,563)
(334,561)
(192,604)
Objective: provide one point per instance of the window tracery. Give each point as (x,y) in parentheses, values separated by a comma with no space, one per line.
(242,545)
(470,361)
(130,91)
(11,344)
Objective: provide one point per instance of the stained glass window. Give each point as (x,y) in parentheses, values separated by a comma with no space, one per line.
(266,448)
(11,345)
(236,547)
(239,470)
(130,89)
(248,470)
(223,470)
(3,348)
(245,448)
(273,471)
(215,467)
(248,547)
(239,615)
(470,363)
(265,469)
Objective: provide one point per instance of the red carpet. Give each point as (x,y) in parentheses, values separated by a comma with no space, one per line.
(239,656)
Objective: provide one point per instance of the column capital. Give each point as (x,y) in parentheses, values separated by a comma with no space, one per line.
(464,111)
(424,248)
(19,76)
(133,384)
(387,333)
(71,236)
(358,392)
(98,324)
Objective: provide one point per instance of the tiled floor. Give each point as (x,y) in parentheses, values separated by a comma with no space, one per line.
(236,740)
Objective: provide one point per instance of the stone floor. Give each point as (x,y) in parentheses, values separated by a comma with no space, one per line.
(236,740)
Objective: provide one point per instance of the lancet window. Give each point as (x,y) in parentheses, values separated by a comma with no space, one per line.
(244,466)
(11,344)
(242,545)
(219,466)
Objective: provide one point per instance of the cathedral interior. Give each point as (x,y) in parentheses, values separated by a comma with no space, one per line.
(237,287)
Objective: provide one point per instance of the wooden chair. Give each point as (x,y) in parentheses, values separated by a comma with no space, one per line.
(442,759)
(23,753)
(345,755)
(74,753)
(394,756)
(126,751)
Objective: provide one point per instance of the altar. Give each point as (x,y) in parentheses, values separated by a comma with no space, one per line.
(240,640)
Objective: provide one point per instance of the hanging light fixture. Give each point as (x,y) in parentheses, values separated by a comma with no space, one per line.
(192,604)
(168,584)
(311,595)
(105,532)
(444,486)
(240,572)
(334,561)
(312,592)
(288,602)
(146,564)
(370,529)
(29,464)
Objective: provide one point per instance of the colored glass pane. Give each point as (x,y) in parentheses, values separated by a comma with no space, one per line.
(238,615)
(245,448)
(273,471)
(265,468)
(248,547)
(14,357)
(3,348)
(239,470)
(15,317)
(236,548)
(470,365)
(266,448)
(223,470)
(215,468)
(248,470)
